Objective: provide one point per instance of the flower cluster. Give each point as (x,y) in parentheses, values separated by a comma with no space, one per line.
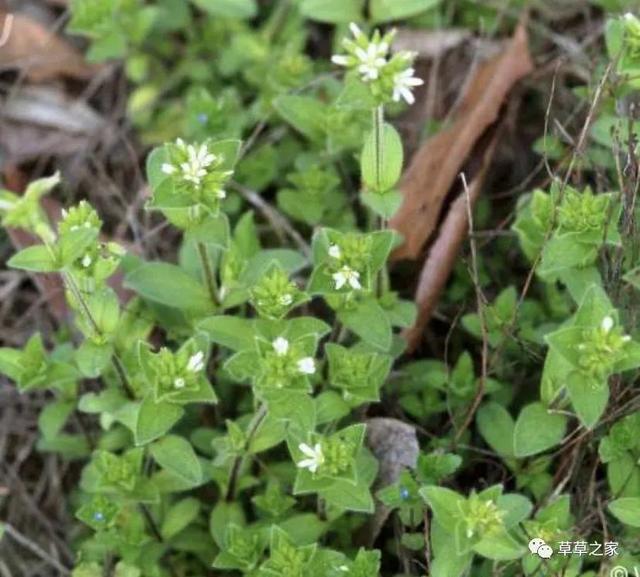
(358,374)
(602,347)
(275,294)
(177,372)
(389,77)
(481,516)
(632,35)
(119,471)
(348,261)
(285,365)
(197,172)
(332,456)
(583,212)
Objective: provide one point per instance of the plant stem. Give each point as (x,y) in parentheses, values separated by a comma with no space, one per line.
(118,365)
(378,126)
(209,276)
(260,415)
(382,281)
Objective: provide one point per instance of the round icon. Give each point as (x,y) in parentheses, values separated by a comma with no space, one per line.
(535,544)
(619,571)
(545,552)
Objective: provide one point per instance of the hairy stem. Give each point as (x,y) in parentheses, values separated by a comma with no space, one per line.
(260,415)
(118,365)
(209,275)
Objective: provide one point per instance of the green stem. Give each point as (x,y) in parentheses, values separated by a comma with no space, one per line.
(254,425)
(382,281)
(209,275)
(118,365)
(378,127)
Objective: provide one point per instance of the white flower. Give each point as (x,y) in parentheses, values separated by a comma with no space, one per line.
(607,324)
(347,276)
(335,252)
(403,83)
(281,346)
(196,362)
(168,168)
(340,59)
(194,168)
(355,30)
(86,261)
(221,194)
(315,457)
(307,366)
(179,383)
(371,60)
(285,299)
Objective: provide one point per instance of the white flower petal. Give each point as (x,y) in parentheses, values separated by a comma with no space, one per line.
(334,251)
(307,366)
(355,30)
(607,324)
(339,279)
(340,59)
(280,346)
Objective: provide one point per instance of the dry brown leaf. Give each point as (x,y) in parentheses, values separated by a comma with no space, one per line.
(41,54)
(435,167)
(429,43)
(443,253)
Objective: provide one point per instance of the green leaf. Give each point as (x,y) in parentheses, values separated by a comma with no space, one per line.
(234,333)
(214,231)
(36,258)
(497,428)
(240,9)
(384,204)
(10,363)
(169,285)
(333,11)
(516,508)
(223,515)
(537,430)
(290,260)
(154,420)
(53,417)
(74,244)
(627,510)
(93,358)
(382,176)
(307,115)
(589,398)
(445,504)
(388,10)
(177,456)
(500,547)
(330,407)
(179,516)
(369,321)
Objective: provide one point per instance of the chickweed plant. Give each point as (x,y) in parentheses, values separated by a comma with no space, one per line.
(224,397)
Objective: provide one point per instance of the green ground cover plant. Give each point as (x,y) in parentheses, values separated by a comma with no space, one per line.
(228,391)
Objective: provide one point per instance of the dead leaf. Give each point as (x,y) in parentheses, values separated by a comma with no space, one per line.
(443,254)
(40,121)
(39,53)
(429,43)
(435,167)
